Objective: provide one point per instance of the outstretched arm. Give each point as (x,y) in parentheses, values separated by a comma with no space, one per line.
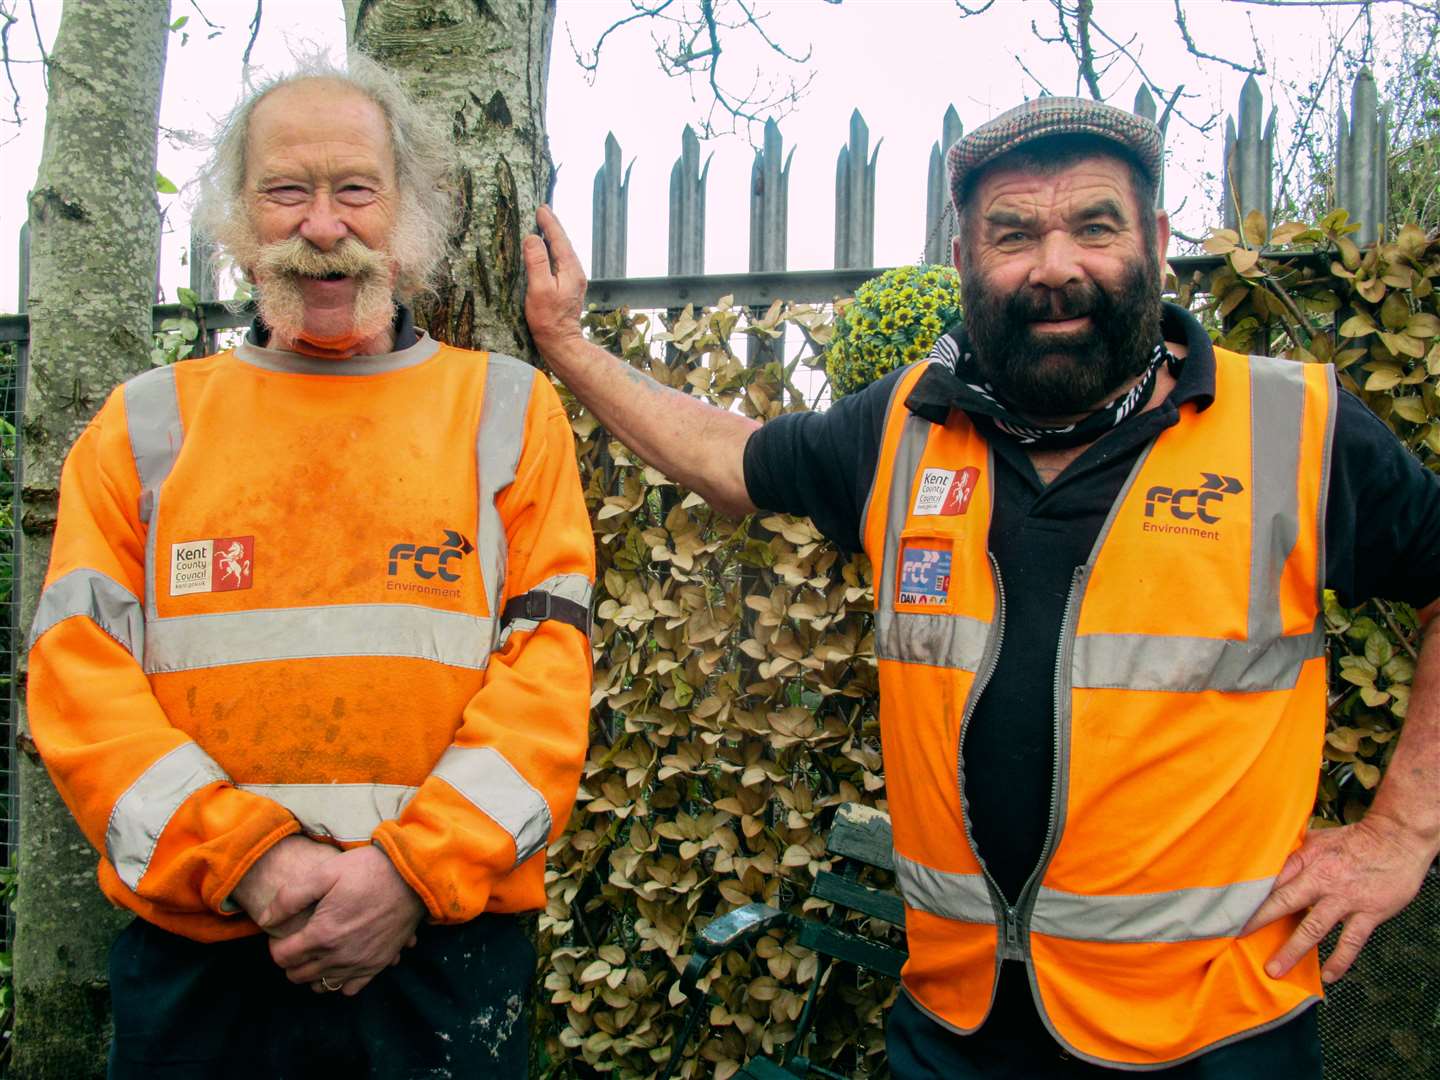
(1366,872)
(693,443)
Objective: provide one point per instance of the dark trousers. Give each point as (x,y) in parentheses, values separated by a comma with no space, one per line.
(457,1005)
(1013,1044)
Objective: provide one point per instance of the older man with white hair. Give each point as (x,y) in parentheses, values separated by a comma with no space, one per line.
(312,653)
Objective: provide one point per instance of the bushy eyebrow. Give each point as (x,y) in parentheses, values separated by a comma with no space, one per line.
(1009,219)
(1097,210)
(1102,208)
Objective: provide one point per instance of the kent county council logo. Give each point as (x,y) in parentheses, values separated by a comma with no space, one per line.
(945,492)
(209,566)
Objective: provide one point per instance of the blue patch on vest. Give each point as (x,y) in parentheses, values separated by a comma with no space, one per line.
(924,573)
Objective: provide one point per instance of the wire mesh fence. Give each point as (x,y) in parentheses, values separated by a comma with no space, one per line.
(1382,1021)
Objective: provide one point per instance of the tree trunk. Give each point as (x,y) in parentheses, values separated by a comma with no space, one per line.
(95,242)
(482,65)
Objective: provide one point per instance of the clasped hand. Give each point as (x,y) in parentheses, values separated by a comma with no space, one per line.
(342,916)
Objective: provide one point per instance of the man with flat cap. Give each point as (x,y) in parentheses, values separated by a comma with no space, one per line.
(1102,666)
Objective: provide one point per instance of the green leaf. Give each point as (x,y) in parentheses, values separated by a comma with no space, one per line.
(181,21)
(1378,650)
(187,297)
(1412,409)
(164,186)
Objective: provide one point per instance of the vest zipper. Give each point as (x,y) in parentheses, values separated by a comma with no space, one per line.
(1063,654)
(1009,930)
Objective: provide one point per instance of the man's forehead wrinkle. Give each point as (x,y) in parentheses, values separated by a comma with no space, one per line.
(291,123)
(1025,199)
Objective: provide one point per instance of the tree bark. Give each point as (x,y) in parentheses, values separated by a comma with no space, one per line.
(95,241)
(482,66)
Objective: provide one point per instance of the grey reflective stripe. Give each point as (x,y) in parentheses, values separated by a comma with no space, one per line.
(498,446)
(152,416)
(574,587)
(141,814)
(345,812)
(494,786)
(1277,407)
(186,642)
(1192,665)
(101,599)
(888,629)
(962,897)
(948,641)
(1178,915)
(1332,397)
(875,479)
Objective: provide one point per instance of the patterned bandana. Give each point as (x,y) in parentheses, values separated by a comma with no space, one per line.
(973,394)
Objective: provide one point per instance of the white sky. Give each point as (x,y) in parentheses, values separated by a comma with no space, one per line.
(901,62)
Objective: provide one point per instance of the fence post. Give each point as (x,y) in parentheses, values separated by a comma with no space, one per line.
(687,207)
(769,202)
(22,305)
(202,284)
(940,221)
(609,219)
(19,374)
(1362,149)
(855,198)
(1249,160)
(769,220)
(1145,106)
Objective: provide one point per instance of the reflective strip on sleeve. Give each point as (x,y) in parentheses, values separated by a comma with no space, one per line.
(1177,915)
(152,416)
(187,642)
(141,814)
(498,446)
(576,588)
(1277,408)
(962,897)
(101,599)
(1193,665)
(348,813)
(495,788)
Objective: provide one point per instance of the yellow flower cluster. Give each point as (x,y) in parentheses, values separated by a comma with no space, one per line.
(894,320)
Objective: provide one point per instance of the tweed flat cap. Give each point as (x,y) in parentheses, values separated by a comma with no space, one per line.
(1053,116)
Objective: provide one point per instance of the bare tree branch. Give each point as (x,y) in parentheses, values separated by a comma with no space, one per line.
(40,44)
(642,11)
(692,42)
(1258,68)
(205,18)
(1084,10)
(254,33)
(1303,124)
(1034,78)
(10,21)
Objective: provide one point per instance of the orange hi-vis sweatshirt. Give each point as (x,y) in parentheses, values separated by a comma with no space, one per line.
(295,595)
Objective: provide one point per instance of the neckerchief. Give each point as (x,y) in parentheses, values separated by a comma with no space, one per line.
(974,394)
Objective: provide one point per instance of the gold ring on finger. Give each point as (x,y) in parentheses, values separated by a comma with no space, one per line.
(326,984)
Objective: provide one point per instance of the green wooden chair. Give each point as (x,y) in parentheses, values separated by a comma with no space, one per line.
(859,838)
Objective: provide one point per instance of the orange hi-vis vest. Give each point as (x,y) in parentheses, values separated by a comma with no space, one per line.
(1189,719)
(283,598)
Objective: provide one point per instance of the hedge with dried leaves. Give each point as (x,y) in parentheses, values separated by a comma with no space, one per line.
(735,685)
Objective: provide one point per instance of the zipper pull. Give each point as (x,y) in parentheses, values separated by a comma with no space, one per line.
(1012,950)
